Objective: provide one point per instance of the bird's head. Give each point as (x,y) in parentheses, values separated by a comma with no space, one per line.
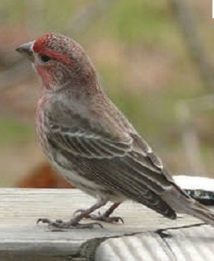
(59,61)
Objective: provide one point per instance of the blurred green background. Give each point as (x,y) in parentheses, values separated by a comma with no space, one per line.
(153,62)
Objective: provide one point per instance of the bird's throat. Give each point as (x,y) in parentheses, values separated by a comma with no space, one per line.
(46,77)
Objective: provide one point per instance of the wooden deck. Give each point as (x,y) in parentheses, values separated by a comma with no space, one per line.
(144,236)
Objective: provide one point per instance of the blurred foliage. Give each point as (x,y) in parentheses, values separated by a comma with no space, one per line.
(12,131)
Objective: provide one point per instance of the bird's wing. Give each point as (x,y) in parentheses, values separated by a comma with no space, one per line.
(142,150)
(86,143)
(127,166)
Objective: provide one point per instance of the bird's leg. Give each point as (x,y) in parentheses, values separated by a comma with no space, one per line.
(74,222)
(106,215)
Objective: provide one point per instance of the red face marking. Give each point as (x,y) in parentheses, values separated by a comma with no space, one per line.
(41,43)
(44,74)
(56,56)
(42,48)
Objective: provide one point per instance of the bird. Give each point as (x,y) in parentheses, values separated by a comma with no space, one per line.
(91,143)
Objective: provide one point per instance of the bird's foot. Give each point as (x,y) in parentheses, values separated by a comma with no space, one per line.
(87,213)
(105,218)
(101,217)
(71,224)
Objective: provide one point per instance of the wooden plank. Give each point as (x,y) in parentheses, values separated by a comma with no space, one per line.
(22,239)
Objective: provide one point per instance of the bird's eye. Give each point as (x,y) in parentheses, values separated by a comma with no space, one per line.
(45,58)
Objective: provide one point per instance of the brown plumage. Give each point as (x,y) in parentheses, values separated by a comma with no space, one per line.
(91,143)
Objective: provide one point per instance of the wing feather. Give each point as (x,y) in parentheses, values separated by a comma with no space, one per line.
(88,144)
(127,166)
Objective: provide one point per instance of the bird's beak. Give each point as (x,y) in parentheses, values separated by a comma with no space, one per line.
(26,50)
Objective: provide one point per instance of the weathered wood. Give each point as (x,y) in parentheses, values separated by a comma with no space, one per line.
(22,239)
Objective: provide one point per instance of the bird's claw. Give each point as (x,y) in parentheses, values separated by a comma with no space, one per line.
(72,224)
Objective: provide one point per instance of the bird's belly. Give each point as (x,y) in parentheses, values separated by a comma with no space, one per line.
(80,182)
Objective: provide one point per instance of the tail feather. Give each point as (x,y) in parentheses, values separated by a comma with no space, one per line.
(183,203)
(197,210)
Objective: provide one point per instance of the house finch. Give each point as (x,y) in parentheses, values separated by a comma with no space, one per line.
(91,143)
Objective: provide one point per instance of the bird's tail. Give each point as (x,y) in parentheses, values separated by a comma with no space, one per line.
(197,210)
(183,203)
